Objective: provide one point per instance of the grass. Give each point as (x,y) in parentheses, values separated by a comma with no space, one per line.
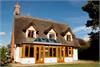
(62,65)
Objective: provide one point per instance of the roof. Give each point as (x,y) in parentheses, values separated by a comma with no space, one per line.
(21,23)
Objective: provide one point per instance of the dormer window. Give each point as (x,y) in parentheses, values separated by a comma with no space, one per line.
(68,36)
(31,32)
(52,34)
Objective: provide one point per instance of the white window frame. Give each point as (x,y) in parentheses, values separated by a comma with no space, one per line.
(68,33)
(33,29)
(52,32)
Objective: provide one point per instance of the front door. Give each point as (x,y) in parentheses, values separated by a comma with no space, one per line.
(39,54)
(60,54)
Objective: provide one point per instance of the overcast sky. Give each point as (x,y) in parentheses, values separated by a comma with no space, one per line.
(64,11)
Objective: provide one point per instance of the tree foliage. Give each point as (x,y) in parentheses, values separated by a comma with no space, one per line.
(3,51)
(92,8)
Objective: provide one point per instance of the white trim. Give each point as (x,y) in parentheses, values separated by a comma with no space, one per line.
(75,54)
(31,28)
(50,60)
(68,33)
(17,54)
(48,43)
(50,32)
(68,59)
(27,60)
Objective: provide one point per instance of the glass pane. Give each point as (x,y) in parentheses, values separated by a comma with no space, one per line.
(50,52)
(66,51)
(68,37)
(26,51)
(46,51)
(31,51)
(52,36)
(58,52)
(41,55)
(54,52)
(30,33)
(62,51)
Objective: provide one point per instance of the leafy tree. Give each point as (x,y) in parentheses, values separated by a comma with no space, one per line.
(92,8)
(3,56)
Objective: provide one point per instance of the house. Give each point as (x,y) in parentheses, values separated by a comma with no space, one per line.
(36,40)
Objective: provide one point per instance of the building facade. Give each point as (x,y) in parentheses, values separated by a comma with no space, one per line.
(37,40)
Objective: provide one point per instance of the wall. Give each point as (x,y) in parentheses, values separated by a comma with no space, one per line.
(27,60)
(68,59)
(50,60)
(18,51)
(75,54)
(17,57)
(16,54)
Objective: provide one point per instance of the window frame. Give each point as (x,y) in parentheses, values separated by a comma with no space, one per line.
(30,34)
(70,52)
(24,51)
(51,53)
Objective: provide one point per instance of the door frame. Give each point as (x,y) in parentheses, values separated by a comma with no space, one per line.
(60,58)
(41,59)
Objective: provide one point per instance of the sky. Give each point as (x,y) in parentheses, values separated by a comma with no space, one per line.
(63,11)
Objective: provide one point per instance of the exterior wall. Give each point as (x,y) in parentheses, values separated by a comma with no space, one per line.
(75,54)
(74,58)
(27,60)
(50,60)
(17,54)
(68,59)
(17,57)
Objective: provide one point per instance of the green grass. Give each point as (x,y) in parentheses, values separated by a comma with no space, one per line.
(70,65)
(62,65)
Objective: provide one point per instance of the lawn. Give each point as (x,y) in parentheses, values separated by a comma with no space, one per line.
(61,65)
(70,65)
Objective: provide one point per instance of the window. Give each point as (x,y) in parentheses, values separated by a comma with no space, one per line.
(52,36)
(70,51)
(26,51)
(41,52)
(59,52)
(50,52)
(62,51)
(66,51)
(30,33)
(29,51)
(68,38)
(46,51)
(54,52)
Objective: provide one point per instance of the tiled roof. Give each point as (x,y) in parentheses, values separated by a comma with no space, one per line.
(21,23)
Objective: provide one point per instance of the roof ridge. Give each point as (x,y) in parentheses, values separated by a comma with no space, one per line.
(43,19)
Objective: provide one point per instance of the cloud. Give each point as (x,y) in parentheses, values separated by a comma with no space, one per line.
(82,32)
(86,38)
(2,33)
(81,28)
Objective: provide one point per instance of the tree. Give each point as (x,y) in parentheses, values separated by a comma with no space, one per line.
(92,8)
(3,56)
